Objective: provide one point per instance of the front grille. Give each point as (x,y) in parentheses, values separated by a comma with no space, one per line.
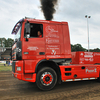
(17,51)
(67,69)
(67,74)
(13,66)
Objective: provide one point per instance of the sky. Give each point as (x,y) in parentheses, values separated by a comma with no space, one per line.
(71,11)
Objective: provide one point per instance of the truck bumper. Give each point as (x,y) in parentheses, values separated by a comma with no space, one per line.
(21,75)
(17,75)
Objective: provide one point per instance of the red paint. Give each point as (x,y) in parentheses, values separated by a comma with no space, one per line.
(85,57)
(55,44)
(47,76)
(81,73)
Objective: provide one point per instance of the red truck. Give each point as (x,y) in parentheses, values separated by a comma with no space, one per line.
(47,59)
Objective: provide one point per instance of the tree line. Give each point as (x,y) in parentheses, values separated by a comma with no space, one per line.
(77,47)
(6,42)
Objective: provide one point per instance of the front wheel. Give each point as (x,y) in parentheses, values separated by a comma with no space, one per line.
(46,78)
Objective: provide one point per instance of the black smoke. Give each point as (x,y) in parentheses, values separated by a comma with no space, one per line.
(48,8)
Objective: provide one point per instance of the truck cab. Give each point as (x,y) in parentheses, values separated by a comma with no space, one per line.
(31,54)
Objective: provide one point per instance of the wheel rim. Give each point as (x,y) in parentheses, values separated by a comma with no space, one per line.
(46,78)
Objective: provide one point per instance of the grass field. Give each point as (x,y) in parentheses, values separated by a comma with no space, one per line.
(5,68)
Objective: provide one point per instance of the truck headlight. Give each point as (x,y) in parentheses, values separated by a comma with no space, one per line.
(18,68)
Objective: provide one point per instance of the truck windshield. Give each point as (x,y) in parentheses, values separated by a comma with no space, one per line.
(18,34)
(17,30)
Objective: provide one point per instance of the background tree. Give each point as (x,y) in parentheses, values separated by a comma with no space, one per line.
(95,50)
(77,47)
(6,42)
(2,42)
(9,42)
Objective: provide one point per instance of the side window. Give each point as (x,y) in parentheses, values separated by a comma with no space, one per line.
(36,30)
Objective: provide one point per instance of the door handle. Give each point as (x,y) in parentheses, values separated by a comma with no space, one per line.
(41,53)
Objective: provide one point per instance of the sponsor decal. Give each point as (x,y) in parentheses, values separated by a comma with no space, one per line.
(81,60)
(90,70)
(33,48)
(88,54)
(53,52)
(96,54)
(50,30)
(89,59)
(81,54)
(52,40)
(51,47)
(49,41)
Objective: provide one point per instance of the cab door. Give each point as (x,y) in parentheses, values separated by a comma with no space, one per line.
(33,47)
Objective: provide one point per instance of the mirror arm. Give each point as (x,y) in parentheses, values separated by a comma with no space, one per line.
(26,39)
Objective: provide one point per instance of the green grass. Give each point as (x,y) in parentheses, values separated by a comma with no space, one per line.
(5,68)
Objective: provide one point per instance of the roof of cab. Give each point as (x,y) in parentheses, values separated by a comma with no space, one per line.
(44,21)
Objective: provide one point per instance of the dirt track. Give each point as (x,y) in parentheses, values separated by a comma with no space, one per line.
(13,89)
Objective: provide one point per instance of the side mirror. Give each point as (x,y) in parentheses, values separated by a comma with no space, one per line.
(27,36)
(27,31)
(27,26)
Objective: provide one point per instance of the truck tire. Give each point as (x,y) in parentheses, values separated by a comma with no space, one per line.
(46,78)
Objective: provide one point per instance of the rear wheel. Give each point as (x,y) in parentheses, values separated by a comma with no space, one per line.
(46,78)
